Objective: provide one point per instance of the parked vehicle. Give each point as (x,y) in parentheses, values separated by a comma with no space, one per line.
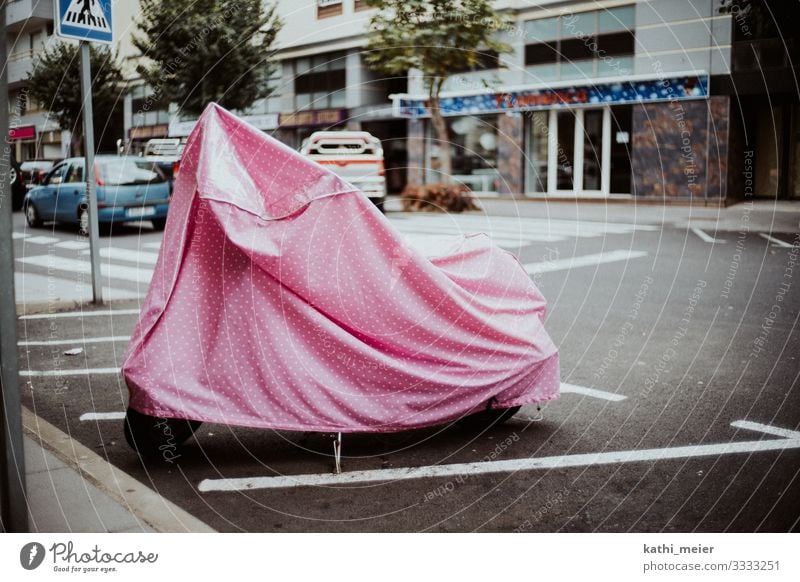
(166,153)
(356,156)
(34,171)
(128,189)
(17,184)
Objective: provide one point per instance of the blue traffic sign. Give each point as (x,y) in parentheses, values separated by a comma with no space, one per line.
(88,20)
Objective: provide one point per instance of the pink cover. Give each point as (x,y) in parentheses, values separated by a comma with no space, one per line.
(283,298)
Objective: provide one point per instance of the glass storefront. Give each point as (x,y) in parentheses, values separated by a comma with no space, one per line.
(473,150)
(581,151)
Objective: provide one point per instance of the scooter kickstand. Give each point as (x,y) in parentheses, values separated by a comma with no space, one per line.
(337,453)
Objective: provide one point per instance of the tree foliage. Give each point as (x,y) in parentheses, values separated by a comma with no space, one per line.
(55,83)
(200,51)
(438,38)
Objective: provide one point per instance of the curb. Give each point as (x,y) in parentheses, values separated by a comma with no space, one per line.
(153,509)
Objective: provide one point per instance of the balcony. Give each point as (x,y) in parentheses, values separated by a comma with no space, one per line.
(20,63)
(22,14)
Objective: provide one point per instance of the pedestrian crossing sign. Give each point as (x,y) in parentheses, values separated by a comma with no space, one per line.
(88,20)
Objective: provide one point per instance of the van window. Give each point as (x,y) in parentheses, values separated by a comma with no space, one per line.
(128,171)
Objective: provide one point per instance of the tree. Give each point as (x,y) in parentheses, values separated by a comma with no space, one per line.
(206,50)
(439,38)
(55,83)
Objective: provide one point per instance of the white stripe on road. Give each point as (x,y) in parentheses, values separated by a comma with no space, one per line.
(41,240)
(778,242)
(133,256)
(583,261)
(594,393)
(60,314)
(706,237)
(489,467)
(60,373)
(18,235)
(84,267)
(765,428)
(73,245)
(152,245)
(102,416)
(81,340)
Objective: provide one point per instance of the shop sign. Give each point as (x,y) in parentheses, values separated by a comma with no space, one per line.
(633,91)
(149,131)
(23,132)
(316,117)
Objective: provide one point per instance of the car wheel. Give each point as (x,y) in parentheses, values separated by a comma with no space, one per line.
(83,221)
(159,223)
(153,436)
(32,215)
(488,417)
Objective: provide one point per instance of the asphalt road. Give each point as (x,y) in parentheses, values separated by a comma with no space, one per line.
(680,337)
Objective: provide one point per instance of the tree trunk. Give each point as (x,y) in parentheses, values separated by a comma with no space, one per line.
(76,142)
(442,135)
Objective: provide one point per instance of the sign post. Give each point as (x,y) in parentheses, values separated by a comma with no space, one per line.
(88,21)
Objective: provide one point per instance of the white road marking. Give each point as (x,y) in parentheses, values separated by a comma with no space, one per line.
(41,240)
(80,340)
(73,245)
(61,314)
(765,428)
(60,373)
(152,245)
(705,237)
(33,288)
(778,242)
(593,392)
(133,256)
(507,466)
(112,271)
(102,416)
(583,261)
(18,235)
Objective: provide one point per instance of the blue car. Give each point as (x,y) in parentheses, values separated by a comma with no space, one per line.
(128,189)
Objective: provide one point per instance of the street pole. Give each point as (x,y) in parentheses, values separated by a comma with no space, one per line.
(13,505)
(91,186)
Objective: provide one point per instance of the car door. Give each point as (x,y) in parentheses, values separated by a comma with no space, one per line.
(44,198)
(71,192)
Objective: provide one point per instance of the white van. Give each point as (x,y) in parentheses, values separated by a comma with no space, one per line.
(356,156)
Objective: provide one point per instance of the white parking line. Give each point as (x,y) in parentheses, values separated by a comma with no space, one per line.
(765,428)
(583,261)
(489,467)
(593,392)
(706,237)
(60,373)
(112,271)
(80,340)
(41,240)
(777,242)
(60,314)
(18,235)
(102,416)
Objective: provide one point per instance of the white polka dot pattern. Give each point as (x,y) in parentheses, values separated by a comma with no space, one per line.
(282,298)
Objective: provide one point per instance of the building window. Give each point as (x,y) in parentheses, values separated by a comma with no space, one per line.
(473,151)
(599,43)
(326,8)
(319,81)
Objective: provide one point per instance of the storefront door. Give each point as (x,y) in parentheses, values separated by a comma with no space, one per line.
(568,152)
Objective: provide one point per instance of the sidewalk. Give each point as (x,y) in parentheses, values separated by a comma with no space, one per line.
(70,488)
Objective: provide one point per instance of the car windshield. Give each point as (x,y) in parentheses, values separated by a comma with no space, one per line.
(123,172)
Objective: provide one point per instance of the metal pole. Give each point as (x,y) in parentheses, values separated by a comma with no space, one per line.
(13,505)
(91,187)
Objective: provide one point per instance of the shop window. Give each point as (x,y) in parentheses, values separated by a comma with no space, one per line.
(586,44)
(473,149)
(326,8)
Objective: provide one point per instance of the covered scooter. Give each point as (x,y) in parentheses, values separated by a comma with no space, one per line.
(282,298)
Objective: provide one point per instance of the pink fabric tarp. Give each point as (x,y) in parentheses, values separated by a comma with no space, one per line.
(283,298)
